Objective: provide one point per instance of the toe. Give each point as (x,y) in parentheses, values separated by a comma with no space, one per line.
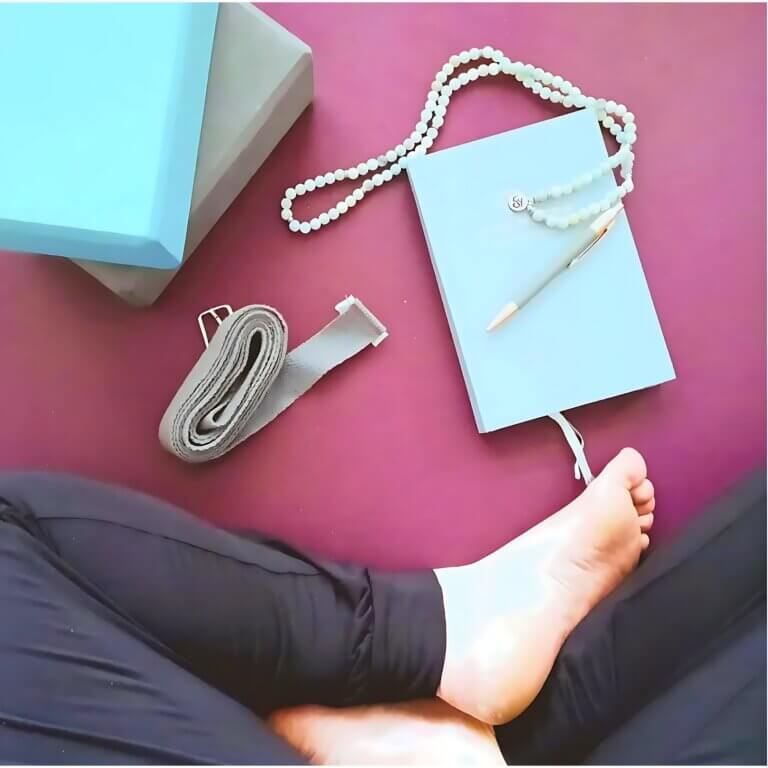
(644,541)
(646,508)
(628,468)
(646,521)
(642,492)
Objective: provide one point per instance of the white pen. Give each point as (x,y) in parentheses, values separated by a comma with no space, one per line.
(599,228)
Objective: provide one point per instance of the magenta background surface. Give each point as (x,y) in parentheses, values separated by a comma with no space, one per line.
(381,462)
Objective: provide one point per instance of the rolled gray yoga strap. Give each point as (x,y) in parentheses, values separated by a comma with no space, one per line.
(246,377)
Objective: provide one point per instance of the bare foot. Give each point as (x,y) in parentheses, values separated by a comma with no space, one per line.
(427,732)
(508,615)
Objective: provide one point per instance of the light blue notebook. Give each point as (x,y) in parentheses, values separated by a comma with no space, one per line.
(592,333)
(102,107)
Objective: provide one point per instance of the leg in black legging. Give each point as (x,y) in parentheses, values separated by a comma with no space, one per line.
(660,624)
(132,632)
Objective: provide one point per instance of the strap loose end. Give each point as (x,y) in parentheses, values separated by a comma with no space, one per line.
(351,301)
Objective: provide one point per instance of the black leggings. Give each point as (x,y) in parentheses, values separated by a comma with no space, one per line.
(131,632)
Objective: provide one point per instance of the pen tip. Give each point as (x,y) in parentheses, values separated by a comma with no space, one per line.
(502,316)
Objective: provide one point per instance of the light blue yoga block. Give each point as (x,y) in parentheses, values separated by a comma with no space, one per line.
(102,108)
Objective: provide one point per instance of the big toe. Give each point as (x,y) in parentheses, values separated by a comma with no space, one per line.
(627,468)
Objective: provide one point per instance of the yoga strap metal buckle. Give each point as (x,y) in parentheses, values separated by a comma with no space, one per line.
(214,313)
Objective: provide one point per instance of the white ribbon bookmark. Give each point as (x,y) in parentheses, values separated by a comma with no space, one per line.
(581,468)
(246,377)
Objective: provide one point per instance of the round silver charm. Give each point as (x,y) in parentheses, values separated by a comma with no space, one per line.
(518,202)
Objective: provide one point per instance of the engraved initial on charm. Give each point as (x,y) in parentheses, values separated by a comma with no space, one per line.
(517,202)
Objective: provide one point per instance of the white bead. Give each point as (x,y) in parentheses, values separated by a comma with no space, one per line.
(432,133)
(631,139)
(593,210)
(540,197)
(290,193)
(575,91)
(305,228)
(498,56)
(584,179)
(341,207)
(446,91)
(556,97)
(528,69)
(421,128)
(437,122)
(350,201)
(630,128)
(547,78)
(615,129)
(488,52)
(319,182)
(367,185)
(443,102)
(608,121)
(551,220)
(455,84)
(415,137)
(294,225)
(286,215)
(338,174)
(464,57)
(409,144)
(324,218)
(545,92)
(447,69)
(620,110)
(573,219)
(309,184)
(568,101)
(285,203)
(300,189)
(567,188)
(557,81)
(590,102)
(536,87)
(482,70)
(566,86)
(426,114)
(494,69)
(506,67)
(474,54)
(358,194)
(539,215)
(435,86)
(404,161)
(441,77)
(454,60)
(473,73)
(352,173)
(463,78)
(629,184)
(427,144)
(372,164)
(420,150)
(387,175)
(610,105)
(538,73)
(395,169)
(600,105)
(528,82)
(330,178)
(333,214)
(391,155)
(378,180)
(579,101)
(399,150)
(555,191)
(601,114)
(562,223)
(314,224)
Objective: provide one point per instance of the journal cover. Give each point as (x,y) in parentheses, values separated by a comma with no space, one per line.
(592,333)
(102,109)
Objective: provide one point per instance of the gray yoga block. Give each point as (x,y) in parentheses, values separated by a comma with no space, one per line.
(260,82)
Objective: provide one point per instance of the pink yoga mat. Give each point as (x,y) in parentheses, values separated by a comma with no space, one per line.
(381,462)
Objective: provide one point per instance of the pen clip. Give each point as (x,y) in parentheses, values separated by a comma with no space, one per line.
(589,246)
